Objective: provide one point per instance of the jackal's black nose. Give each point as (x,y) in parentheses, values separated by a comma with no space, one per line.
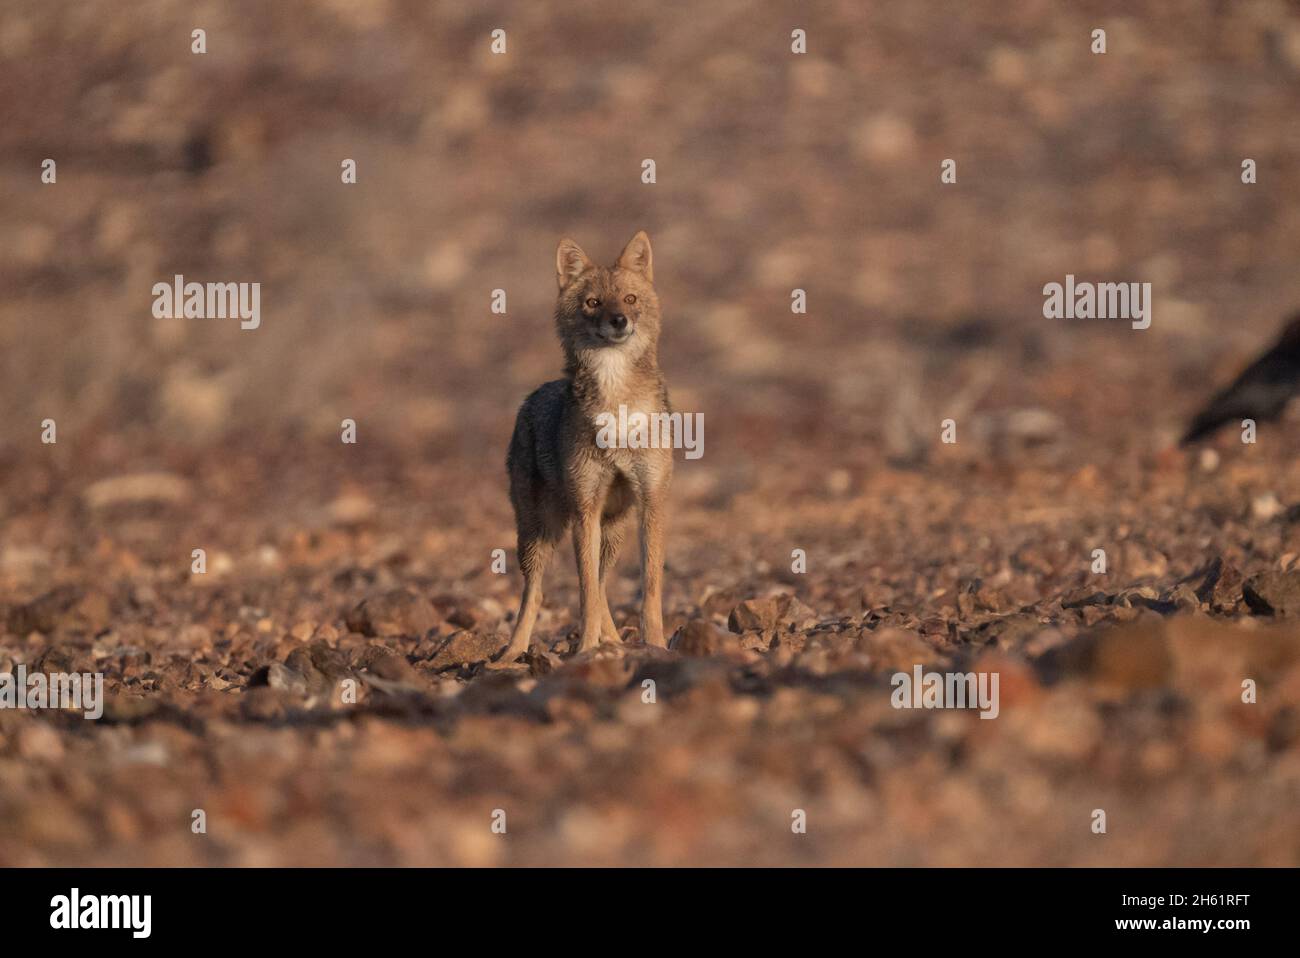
(618,321)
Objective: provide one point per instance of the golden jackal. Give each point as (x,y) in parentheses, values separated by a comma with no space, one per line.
(561,478)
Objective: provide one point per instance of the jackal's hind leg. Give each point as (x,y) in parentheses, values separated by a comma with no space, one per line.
(534,556)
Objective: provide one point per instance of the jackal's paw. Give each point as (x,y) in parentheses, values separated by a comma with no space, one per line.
(590,643)
(506,660)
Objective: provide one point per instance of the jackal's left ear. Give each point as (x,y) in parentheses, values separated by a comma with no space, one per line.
(637,256)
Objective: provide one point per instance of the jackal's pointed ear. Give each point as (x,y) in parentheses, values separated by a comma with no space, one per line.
(570,261)
(636,256)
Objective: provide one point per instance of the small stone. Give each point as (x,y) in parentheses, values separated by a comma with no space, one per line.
(1011,631)
(136,488)
(1183,598)
(758,614)
(399,612)
(1084,596)
(44,612)
(96,609)
(329,662)
(794,614)
(1266,507)
(464,648)
(701,637)
(282,677)
(390,665)
(1273,593)
(894,650)
(351,509)
(775,612)
(966,604)
(463,617)
(57,660)
(1221,588)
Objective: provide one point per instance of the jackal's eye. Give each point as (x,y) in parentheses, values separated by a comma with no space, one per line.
(592,302)
(629,299)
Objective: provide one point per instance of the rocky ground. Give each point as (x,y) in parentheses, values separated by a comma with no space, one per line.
(225,690)
(319,689)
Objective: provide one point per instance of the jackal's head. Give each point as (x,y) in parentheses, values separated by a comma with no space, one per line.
(603,307)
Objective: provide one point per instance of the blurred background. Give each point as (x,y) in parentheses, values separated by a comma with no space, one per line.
(775,171)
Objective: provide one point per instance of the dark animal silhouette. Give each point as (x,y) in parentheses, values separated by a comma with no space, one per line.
(1261,391)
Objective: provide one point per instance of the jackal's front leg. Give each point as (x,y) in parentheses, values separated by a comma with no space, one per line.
(652,571)
(586,549)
